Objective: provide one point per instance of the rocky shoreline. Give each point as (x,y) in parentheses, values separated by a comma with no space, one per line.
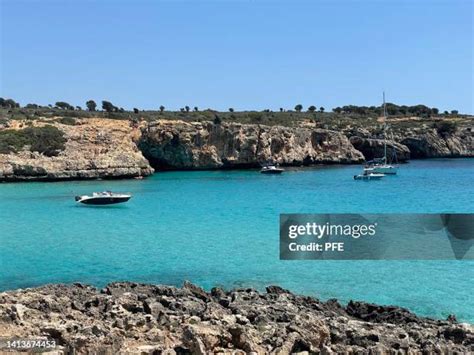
(156,319)
(104,148)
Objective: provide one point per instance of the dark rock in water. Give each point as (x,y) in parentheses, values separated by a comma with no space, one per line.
(151,319)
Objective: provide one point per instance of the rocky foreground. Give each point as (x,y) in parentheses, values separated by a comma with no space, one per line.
(153,319)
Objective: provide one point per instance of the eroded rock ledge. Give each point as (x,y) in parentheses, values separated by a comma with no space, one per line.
(155,319)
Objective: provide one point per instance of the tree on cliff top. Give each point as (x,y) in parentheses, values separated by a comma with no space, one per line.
(298,107)
(8,103)
(64,105)
(162,108)
(108,106)
(312,108)
(91,105)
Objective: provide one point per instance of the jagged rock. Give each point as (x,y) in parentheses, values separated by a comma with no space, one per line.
(145,319)
(430,144)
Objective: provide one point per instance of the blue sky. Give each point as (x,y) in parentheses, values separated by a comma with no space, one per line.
(243,54)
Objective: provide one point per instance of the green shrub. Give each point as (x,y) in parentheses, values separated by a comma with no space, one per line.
(47,140)
(67,121)
(12,140)
(445,128)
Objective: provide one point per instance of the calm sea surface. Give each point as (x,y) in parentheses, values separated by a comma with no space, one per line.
(221,228)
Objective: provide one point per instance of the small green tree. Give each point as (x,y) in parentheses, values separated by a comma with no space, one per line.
(312,108)
(63,105)
(321,109)
(196,109)
(162,108)
(135,110)
(281,109)
(91,105)
(187,108)
(231,109)
(9,103)
(108,106)
(454,112)
(298,108)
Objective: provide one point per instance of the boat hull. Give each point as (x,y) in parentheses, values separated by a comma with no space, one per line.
(104,200)
(385,170)
(272,171)
(369,177)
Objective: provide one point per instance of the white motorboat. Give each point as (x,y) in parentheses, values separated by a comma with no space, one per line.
(271,169)
(103,198)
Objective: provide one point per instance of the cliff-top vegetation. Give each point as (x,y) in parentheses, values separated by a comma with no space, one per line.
(47,140)
(336,118)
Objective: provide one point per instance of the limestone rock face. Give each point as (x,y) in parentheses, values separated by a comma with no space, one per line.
(136,318)
(183,145)
(430,144)
(95,148)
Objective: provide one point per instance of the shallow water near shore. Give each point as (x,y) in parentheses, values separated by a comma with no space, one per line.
(221,228)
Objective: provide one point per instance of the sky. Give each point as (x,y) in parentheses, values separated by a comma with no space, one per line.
(244,54)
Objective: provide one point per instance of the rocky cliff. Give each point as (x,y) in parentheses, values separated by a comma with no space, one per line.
(106,148)
(94,148)
(149,319)
(414,142)
(195,145)
(432,144)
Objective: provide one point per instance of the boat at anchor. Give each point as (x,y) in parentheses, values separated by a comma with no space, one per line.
(383,165)
(271,169)
(103,198)
(366,175)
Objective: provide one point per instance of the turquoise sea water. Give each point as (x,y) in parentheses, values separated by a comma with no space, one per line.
(222,228)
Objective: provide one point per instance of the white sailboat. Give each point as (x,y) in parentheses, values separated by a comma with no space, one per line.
(382,165)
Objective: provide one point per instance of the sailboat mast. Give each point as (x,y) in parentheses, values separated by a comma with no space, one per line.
(384,129)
